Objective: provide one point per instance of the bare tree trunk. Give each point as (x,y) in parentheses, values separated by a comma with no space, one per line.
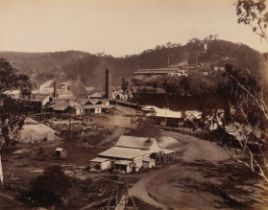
(260,103)
(261,172)
(1,173)
(251,161)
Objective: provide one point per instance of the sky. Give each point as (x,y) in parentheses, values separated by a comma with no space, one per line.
(116,27)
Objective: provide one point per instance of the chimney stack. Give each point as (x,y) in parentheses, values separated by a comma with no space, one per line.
(108,84)
(54,89)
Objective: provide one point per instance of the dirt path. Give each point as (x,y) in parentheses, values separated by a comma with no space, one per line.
(194,149)
(140,191)
(158,189)
(203,178)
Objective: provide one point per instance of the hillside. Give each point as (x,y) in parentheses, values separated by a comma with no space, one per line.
(89,68)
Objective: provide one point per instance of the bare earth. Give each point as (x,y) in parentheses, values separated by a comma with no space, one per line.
(204,178)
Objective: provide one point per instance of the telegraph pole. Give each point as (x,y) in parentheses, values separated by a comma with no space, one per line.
(122,200)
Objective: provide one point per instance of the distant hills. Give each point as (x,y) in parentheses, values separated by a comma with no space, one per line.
(89,68)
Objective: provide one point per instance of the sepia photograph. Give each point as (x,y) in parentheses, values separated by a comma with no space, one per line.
(133,104)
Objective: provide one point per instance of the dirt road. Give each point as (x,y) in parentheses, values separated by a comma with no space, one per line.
(203,178)
(140,190)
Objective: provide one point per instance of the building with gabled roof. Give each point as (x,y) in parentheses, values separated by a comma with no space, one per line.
(96,105)
(38,102)
(132,153)
(44,99)
(15,94)
(62,106)
(100,164)
(143,143)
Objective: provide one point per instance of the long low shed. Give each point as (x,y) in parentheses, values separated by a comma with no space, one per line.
(130,154)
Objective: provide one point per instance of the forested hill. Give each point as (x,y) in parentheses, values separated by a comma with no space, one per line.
(89,68)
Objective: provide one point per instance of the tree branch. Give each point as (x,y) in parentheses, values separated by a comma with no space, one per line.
(250,94)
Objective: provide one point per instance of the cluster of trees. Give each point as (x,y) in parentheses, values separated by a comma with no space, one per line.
(255,14)
(219,52)
(48,189)
(249,97)
(251,92)
(197,85)
(90,67)
(11,119)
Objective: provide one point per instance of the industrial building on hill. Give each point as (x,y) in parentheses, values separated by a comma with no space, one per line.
(185,70)
(161,72)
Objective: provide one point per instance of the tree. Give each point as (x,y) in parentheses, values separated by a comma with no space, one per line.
(49,188)
(185,86)
(249,97)
(255,14)
(124,85)
(11,118)
(170,85)
(249,93)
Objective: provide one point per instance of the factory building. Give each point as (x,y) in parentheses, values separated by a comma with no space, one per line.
(130,154)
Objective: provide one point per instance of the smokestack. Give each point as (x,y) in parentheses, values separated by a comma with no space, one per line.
(54,88)
(108,84)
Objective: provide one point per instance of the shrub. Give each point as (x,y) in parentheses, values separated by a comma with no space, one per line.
(49,188)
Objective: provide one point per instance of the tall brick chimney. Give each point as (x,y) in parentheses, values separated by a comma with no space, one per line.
(54,94)
(108,84)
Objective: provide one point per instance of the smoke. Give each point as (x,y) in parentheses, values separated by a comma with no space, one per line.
(88,71)
(77,87)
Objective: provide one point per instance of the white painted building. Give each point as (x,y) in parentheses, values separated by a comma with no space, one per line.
(100,164)
(16,94)
(131,153)
(96,106)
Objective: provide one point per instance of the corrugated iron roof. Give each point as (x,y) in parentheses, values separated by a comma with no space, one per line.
(99,160)
(167,113)
(39,97)
(124,153)
(60,104)
(135,142)
(131,147)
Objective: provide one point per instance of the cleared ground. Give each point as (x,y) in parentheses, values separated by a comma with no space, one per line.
(34,152)
(202,178)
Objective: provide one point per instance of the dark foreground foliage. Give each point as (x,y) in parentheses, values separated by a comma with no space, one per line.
(47,189)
